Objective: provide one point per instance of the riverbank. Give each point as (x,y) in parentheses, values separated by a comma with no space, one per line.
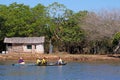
(64,56)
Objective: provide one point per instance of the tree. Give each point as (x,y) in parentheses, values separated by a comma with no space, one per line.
(57,13)
(116,38)
(116,41)
(72,34)
(21,20)
(39,20)
(100,27)
(17,20)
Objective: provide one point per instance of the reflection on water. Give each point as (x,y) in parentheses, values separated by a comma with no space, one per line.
(71,71)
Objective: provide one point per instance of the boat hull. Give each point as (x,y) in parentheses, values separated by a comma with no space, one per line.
(32,64)
(52,64)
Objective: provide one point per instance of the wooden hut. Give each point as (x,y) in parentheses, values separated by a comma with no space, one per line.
(25,44)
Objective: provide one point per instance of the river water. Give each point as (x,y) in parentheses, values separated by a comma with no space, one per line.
(71,71)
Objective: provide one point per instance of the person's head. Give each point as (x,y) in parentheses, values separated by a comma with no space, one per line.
(59,57)
(21,58)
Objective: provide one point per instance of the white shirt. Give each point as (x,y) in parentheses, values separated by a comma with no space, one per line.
(60,61)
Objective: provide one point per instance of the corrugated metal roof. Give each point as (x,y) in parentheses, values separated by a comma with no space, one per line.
(24,40)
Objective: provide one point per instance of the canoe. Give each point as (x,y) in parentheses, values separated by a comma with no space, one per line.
(32,64)
(27,64)
(52,64)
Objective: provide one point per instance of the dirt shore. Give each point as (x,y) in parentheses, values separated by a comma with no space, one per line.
(64,56)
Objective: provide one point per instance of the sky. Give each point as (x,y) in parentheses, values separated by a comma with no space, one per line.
(74,5)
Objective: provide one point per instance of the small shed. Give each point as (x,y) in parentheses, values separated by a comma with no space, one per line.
(25,44)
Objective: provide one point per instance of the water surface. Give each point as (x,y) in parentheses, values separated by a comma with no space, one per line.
(71,71)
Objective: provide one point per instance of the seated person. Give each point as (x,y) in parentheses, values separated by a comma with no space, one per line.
(43,61)
(59,61)
(21,61)
(38,62)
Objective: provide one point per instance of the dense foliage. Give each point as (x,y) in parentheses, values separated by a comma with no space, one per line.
(64,30)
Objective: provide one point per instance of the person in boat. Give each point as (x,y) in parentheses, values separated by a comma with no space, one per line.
(21,61)
(60,61)
(44,61)
(39,61)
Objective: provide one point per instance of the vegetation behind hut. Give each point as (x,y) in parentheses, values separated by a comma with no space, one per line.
(64,30)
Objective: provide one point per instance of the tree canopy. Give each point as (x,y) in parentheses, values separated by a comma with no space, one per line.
(63,28)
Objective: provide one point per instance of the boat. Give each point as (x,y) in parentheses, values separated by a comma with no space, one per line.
(27,64)
(33,64)
(52,64)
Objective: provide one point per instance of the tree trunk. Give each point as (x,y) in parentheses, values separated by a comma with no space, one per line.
(50,47)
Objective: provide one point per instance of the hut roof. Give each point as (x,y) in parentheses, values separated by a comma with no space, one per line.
(24,40)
